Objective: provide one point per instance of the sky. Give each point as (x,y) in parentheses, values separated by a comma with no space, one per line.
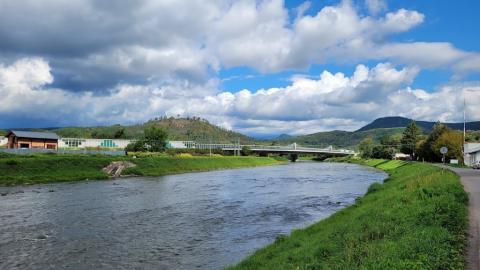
(263,67)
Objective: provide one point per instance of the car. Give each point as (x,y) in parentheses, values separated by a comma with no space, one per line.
(476,165)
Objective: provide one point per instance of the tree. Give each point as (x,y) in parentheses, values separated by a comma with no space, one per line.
(410,138)
(155,139)
(137,146)
(453,140)
(366,148)
(246,150)
(428,150)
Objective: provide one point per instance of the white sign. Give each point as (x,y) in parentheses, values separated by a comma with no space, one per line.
(443,150)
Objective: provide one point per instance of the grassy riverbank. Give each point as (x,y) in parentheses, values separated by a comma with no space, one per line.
(45,168)
(417,219)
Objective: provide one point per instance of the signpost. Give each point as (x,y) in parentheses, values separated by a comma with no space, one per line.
(443,151)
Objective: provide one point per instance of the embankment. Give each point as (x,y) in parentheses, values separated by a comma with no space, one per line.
(36,169)
(417,219)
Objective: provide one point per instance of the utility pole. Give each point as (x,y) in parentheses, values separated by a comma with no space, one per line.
(464,127)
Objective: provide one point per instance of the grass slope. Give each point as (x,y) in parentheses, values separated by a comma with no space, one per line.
(35,169)
(169,165)
(417,219)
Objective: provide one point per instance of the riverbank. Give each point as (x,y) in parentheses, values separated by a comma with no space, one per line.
(46,168)
(417,219)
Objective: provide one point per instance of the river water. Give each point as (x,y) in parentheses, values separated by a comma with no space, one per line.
(202,220)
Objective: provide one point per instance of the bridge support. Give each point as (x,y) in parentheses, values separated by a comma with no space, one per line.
(293,157)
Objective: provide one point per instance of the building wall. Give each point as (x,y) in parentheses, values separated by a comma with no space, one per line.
(111,143)
(34,143)
(93,143)
(3,141)
(472,151)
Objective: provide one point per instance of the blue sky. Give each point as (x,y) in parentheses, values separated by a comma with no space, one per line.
(261,67)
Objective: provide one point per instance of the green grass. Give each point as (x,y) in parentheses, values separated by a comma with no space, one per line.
(417,219)
(16,170)
(172,165)
(47,168)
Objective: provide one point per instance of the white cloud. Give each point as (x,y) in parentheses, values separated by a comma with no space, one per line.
(330,101)
(376,6)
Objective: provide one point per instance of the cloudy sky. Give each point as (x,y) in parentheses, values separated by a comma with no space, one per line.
(259,67)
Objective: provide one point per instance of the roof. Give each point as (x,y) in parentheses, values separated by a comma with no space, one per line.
(35,135)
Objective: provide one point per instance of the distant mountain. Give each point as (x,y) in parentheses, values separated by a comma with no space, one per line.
(397,121)
(195,129)
(338,138)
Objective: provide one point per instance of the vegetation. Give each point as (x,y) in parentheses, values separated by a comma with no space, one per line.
(396,122)
(51,168)
(338,138)
(46,168)
(189,128)
(429,148)
(410,138)
(417,219)
(173,165)
(154,140)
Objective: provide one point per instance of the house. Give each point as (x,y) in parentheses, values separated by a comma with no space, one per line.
(28,139)
(472,153)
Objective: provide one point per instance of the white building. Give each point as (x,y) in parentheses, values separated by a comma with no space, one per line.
(472,153)
(3,141)
(79,143)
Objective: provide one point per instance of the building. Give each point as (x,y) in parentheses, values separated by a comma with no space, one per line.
(3,142)
(472,153)
(28,139)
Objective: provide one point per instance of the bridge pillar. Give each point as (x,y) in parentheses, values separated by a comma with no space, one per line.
(293,157)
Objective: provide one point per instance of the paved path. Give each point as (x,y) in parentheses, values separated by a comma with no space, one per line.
(471,181)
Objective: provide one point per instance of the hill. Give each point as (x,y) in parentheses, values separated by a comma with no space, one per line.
(338,138)
(194,128)
(397,121)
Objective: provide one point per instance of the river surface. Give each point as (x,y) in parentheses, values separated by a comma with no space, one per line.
(202,220)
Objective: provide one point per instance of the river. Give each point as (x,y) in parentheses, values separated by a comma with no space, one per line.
(202,220)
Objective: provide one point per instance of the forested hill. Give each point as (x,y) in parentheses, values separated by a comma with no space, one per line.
(340,138)
(397,121)
(195,129)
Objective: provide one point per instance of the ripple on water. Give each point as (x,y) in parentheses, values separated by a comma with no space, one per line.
(190,221)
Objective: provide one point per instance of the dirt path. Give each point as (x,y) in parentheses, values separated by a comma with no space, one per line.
(471,181)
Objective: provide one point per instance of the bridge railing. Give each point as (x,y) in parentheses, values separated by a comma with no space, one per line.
(256,147)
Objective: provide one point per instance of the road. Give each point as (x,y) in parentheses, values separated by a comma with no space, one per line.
(471,182)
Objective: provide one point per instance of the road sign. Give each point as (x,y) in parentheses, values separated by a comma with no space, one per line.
(443,150)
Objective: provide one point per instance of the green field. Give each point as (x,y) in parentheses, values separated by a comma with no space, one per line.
(35,169)
(417,219)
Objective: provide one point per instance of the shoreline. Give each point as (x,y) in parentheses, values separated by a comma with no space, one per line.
(395,225)
(44,169)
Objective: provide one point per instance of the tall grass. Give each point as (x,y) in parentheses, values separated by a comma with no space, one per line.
(417,219)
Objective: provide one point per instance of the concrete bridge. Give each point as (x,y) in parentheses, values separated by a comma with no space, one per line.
(292,150)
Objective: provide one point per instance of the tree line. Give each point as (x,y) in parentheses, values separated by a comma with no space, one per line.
(414,142)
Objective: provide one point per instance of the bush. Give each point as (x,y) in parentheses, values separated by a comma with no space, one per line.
(11,162)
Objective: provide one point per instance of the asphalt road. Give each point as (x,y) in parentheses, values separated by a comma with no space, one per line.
(471,181)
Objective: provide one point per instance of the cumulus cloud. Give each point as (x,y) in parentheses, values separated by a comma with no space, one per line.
(329,101)
(93,46)
(376,6)
(92,62)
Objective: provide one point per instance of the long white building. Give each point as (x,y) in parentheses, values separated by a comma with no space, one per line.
(79,143)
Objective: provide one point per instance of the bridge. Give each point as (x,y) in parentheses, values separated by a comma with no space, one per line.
(292,150)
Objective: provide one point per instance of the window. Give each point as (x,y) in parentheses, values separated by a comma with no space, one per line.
(73,143)
(24,145)
(51,146)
